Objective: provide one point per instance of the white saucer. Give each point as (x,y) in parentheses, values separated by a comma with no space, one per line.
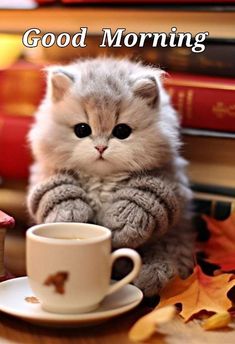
(14,291)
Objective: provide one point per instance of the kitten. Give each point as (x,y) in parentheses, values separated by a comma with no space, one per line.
(106,145)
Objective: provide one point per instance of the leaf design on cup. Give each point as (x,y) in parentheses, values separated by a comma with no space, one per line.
(58,281)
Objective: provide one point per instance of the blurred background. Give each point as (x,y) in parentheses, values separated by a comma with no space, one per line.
(202,87)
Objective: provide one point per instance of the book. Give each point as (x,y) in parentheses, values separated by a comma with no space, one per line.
(216,60)
(211,161)
(208,133)
(202,101)
(212,205)
(22,88)
(66,19)
(15,157)
(214,201)
(226,194)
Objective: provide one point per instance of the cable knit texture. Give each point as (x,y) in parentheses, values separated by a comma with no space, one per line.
(59,199)
(145,205)
(144,212)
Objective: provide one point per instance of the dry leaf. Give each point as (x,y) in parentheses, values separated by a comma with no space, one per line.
(178,332)
(198,292)
(220,248)
(145,327)
(216,321)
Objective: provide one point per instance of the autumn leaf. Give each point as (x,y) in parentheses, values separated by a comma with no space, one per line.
(216,321)
(198,292)
(220,248)
(146,326)
(179,332)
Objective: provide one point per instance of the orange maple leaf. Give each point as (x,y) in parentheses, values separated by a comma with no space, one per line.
(198,292)
(220,248)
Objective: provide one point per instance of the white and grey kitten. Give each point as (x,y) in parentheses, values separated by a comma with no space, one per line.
(106,146)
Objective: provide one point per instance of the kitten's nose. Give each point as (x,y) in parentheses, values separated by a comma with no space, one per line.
(101,148)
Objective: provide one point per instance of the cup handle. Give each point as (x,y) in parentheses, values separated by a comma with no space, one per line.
(135,257)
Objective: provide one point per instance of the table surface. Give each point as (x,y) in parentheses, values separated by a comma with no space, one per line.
(115,331)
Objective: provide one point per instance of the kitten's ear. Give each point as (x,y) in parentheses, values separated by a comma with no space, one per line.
(59,82)
(147,88)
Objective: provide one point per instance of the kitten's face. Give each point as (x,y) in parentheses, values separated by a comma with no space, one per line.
(102,122)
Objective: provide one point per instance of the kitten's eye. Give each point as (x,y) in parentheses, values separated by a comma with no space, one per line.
(82,130)
(122,131)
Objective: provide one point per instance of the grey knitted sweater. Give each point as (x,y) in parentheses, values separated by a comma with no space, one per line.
(145,211)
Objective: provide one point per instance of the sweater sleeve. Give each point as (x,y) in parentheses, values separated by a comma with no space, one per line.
(145,205)
(158,197)
(58,198)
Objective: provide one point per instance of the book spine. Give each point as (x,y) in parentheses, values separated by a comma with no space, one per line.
(214,190)
(217,209)
(15,99)
(213,201)
(203,102)
(216,60)
(15,157)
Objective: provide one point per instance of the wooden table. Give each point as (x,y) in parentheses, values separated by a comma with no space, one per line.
(115,331)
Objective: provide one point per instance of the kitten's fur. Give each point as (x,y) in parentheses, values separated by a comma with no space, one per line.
(139,189)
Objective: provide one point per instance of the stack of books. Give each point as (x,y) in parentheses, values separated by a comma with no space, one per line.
(202,87)
(206,105)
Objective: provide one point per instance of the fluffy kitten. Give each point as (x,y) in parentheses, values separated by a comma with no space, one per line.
(106,147)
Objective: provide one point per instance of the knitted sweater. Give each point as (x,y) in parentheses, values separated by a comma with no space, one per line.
(145,204)
(147,211)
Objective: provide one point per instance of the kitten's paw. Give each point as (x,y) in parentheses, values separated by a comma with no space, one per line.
(70,211)
(131,226)
(153,277)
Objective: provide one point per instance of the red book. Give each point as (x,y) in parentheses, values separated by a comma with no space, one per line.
(22,88)
(203,102)
(15,157)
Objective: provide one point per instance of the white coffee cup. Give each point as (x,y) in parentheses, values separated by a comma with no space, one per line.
(69,265)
